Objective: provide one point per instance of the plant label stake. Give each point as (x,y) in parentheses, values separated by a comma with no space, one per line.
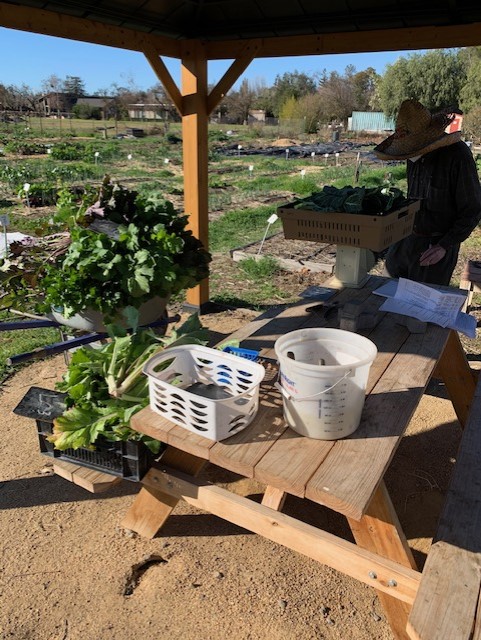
(239,147)
(166,161)
(270,221)
(303,173)
(287,154)
(358,167)
(96,156)
(326,156)
(251,169)
(4,222)
(337,159)
(313,155)
(129,157)
(26,188)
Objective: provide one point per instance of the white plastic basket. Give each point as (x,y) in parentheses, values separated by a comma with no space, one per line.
(207,391)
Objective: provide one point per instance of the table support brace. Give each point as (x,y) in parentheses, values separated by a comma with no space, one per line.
(312,542)
(379,531)
(152,506)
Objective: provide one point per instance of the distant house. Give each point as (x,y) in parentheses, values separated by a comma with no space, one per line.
(370,121)
(54,103)
(152,111)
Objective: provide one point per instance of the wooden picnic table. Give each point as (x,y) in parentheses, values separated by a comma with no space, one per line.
(345,475)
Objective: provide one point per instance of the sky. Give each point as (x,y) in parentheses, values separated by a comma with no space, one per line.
(32,58)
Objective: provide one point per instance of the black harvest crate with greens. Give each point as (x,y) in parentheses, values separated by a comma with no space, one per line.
(354,216)
(129,459)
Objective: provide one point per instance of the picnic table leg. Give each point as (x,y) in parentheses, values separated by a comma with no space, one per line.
(151,507)
(379,531)
(274,498)
(460,380)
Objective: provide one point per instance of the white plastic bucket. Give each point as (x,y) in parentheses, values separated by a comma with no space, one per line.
(323,378)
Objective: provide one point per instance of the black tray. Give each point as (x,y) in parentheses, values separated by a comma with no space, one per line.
(129,459)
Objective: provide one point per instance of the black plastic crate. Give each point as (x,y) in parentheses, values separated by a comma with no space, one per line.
(129,460)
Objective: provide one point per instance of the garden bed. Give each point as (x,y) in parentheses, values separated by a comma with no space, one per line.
(292,255)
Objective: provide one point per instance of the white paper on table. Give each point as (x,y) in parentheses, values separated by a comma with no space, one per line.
(427,304)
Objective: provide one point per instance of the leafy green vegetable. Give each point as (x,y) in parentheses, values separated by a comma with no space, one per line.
(105,387)
(122,250)
(150,253)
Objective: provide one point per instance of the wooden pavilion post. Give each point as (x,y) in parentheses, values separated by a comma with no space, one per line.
(195,154)
(194,105)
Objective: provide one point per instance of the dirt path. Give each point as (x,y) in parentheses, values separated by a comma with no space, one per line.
(67,564)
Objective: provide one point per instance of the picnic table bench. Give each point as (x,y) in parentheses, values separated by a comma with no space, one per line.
(346,475)
(447,604)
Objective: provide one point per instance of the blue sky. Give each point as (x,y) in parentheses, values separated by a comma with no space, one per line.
(32,58)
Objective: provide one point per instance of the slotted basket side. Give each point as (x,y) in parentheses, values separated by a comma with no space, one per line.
(230,389)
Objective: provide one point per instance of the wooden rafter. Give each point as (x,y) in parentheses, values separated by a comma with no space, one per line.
(237,68)
(463,35)
(164,76)
(51,23)
(74,28)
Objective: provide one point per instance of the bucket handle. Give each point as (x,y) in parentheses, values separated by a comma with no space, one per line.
(314,395)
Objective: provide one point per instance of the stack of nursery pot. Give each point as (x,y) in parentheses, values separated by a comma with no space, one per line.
(126,250)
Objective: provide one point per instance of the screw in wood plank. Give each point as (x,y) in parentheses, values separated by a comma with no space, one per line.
(373,575)
(392,583)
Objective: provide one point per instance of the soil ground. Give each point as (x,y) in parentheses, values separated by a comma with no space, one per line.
(67,563)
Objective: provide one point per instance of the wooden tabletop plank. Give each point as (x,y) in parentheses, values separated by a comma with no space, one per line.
(353,469)
(290,463)
(156,426)
(241,452)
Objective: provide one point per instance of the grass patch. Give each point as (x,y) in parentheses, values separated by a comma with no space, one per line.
(238,228)
(17,342)
(259,269)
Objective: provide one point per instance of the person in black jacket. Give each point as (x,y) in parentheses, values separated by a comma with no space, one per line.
(442,174)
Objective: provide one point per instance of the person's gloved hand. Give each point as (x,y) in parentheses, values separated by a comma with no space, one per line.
(432,255)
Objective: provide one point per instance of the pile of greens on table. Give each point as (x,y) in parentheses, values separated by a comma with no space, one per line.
(117,248)
(105,387)
(373,200)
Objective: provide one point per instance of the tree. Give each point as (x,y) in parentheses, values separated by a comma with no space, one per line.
(337,95)
(73,86)
(434,78)
(364,85)
(470,96)
(291,85)
(239,103)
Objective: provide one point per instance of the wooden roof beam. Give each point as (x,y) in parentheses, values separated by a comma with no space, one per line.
(236,69)
(164,76)
(431,37)
(51,23)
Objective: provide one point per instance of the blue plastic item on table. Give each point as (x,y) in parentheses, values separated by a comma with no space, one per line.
(248,354)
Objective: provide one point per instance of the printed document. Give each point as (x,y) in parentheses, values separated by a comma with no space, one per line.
(428,304)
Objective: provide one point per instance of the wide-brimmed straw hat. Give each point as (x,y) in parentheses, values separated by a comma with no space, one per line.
(417,132)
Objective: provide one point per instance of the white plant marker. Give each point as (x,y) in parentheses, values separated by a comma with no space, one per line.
(96,156)
(326,156)
(26,188)
(129,157)
(303,173)
(166,161)
(239,147)
(251,170)
(270,221)
(313,155)
(4,222)
(287,154)
(337,159)
(49,150)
